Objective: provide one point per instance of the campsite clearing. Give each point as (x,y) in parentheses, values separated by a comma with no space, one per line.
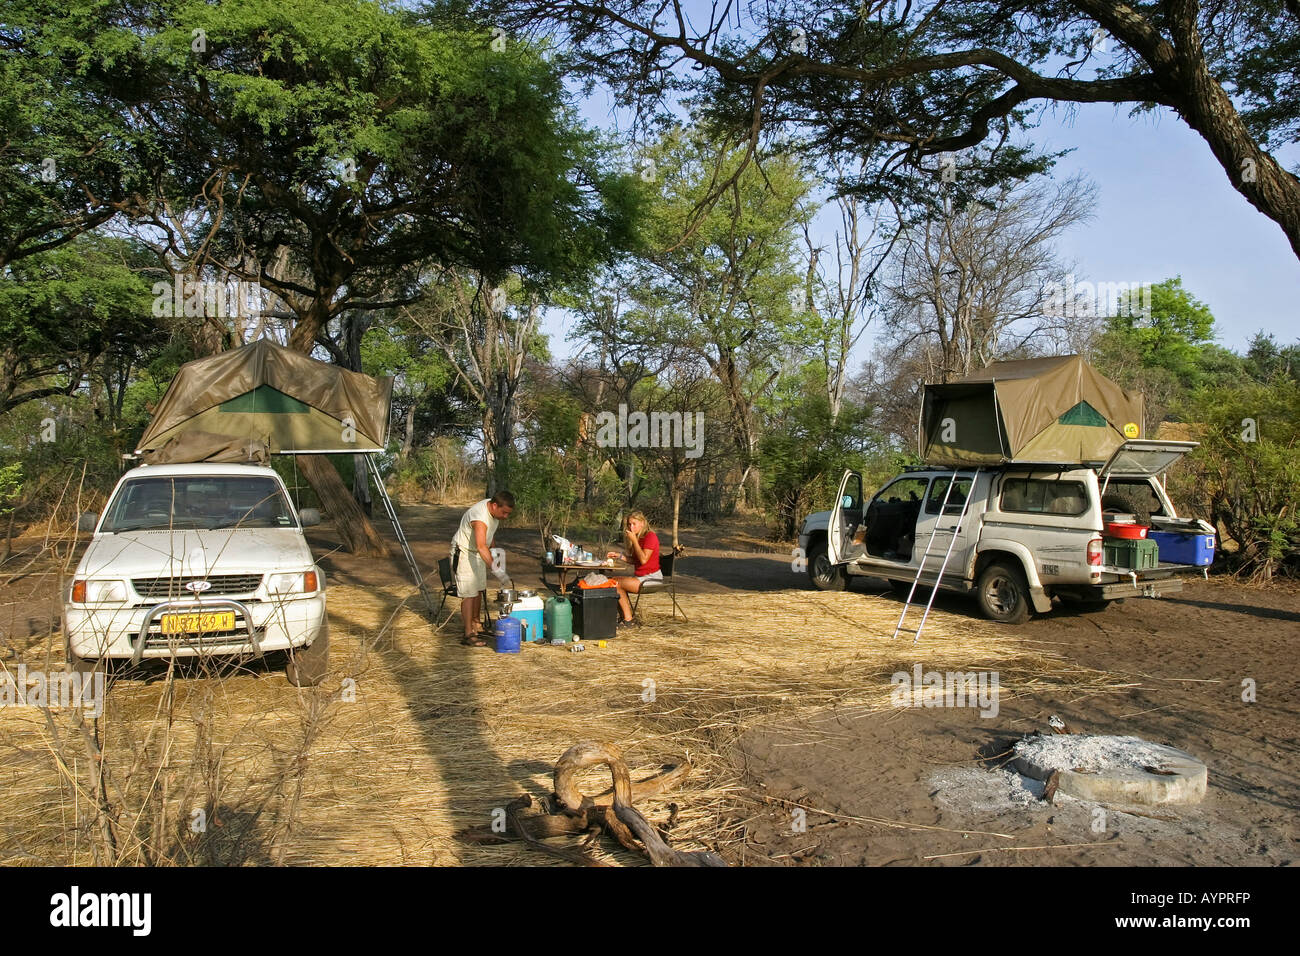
(779,695)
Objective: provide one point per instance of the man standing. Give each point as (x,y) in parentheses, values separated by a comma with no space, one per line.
(471,557)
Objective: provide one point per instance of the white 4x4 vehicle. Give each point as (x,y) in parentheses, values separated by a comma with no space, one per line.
(1028,533)
(198,559)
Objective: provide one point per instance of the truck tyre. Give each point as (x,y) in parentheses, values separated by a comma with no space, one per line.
(824,575)
(307,665)
(1003,593)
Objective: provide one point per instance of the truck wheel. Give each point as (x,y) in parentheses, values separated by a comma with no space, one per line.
(824,575)
(1003,594)
(307,665)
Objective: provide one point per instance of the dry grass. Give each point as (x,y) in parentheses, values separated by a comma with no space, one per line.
(438,736)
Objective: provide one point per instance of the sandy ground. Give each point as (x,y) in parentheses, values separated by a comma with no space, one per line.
(1187,657)
(851,785)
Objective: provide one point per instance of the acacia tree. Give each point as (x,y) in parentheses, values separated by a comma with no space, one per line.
(732,271)
(70,159)
(967,286)
(486,338)
(903,82)
(63,310)
(842,298)
(335,147)
(630,330)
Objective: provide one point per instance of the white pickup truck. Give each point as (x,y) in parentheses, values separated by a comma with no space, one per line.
(198,559)
(1028,533)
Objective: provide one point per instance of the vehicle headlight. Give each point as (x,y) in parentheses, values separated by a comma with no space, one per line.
(293,582)
(99,592)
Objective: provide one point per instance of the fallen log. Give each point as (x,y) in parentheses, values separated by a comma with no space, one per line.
(611,811)
(588,753)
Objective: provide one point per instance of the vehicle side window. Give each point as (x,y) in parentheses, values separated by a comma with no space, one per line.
(955,501)
(903,491)
(1040,496)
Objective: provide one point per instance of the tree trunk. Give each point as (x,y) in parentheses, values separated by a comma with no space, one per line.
(408,439)
(677,511)
(358,534)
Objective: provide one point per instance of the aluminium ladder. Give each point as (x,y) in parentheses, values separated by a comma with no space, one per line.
(401,535)
(907,605)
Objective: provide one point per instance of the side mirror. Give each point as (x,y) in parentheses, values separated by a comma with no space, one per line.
(87,521)
(309,517)
(846,501)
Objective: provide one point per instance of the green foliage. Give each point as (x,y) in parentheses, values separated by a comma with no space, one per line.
(70,158)
(11,484)
(374,141)
(63,309)
(1250,487)
(1171,337)
(805,453)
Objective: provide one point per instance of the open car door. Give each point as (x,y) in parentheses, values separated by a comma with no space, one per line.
(845,516)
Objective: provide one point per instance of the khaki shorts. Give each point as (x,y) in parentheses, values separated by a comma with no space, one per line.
(470,574)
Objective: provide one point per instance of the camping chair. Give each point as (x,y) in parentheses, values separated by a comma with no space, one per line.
(668,583)
(448,586)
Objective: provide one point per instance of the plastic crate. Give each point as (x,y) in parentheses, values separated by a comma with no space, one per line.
(1136,554)
(1177,547)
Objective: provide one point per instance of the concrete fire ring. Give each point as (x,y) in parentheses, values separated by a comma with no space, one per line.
(1108,769)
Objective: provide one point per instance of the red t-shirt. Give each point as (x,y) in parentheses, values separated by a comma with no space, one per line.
(650,545)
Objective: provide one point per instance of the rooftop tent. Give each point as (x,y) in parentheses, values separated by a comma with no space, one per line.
(1057,410)
(222,408)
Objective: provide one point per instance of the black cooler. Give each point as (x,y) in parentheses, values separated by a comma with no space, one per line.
(595,612)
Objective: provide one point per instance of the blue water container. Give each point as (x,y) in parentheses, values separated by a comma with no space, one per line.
(508,631)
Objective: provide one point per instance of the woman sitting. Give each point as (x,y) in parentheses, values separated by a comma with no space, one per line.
(643,554)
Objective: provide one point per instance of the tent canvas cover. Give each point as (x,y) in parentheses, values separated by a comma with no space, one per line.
(1054,410)
(264,398)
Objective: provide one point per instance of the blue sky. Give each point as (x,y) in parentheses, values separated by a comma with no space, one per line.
(1164,208)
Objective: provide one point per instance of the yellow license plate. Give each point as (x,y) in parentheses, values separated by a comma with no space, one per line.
(197,622)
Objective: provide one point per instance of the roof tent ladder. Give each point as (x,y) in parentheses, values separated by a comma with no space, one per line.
(401,535)
(920,570)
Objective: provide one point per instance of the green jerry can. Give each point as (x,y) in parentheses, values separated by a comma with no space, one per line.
(557,619)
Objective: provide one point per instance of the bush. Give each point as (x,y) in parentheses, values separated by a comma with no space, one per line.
(1246,473)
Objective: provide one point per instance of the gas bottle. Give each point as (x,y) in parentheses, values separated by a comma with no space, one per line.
(507,635)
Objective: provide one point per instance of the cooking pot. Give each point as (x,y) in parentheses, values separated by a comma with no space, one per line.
(507,596)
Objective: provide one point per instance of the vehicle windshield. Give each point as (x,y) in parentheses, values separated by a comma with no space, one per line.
(204,502)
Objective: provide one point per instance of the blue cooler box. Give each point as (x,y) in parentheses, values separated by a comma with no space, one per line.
(1177,547)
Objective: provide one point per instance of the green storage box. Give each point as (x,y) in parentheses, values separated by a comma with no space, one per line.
(1138,554)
